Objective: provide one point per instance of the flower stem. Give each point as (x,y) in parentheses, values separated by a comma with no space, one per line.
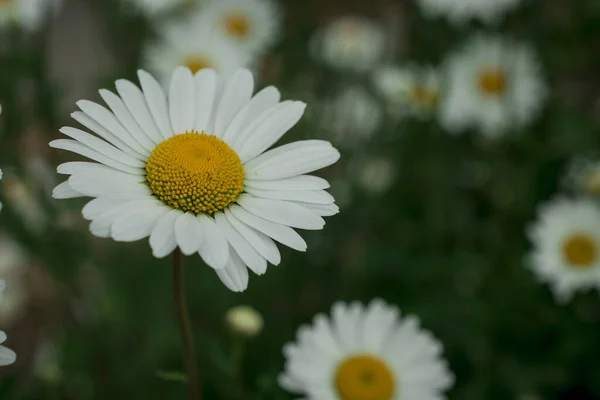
(187,339)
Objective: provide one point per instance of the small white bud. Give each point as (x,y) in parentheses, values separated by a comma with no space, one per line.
(244,320)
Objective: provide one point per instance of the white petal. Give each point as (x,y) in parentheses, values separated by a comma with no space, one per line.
(206,89)
(138,220)
(262,101)
(279,163)
(247,253)
(281,233)
(110,137)
(108,120)
(124,116)
(162,238)
(73,167)
(182,98)
(238,91)
(241,139)
(214,250)
(235,273)
(281,212)
(188,233)
(308,196)
(324,210)
(64,191)
(76,147)
(259,241)
(300,182)
(157,103)
(7,356)
(103,221)
(102,147)
(95,207)
(271,130)
(107,182)
(136,103)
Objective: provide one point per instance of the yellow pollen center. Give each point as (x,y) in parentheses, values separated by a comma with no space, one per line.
(364,377)
(423,96)
(580,250)
(196,63)
(492,81)
(195,172)
(237,25)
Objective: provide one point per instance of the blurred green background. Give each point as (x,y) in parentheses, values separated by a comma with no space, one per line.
(445,241)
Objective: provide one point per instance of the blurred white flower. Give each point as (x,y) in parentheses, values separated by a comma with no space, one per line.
(13,262)
(27,14)
(154,7)
(566,246)
(493,85)
(350,43)
(583,175)
(460,12)
(409,91)
(352,115)
(244,320)
(190,44)
(23,201)
(252,25)
(7,356)
(365,353)
(376,174)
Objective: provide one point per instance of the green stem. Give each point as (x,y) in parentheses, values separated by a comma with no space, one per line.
(187,340)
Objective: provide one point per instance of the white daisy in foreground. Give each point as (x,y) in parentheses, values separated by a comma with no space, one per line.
(365,353)
(352,115)
(27,14)
(409,91)
(187,43)
(7,356)
(583,175)
(192,170)
(154,7)
(462,11)
(253,25)
(493,85)
(566,246)
(350,43)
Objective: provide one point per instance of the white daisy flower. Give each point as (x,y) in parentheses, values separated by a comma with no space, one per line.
(155,7)
(460,12)
(253,25)
(583,175)
(409,91)
(352,115)
(566,246)
(365,353)
(192,45)
(350,43)
(493,85)
(7,356)
(192,170)
(27,14)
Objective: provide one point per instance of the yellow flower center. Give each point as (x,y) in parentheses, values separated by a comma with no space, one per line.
(580,250)
(364,377)
(492,81)
(195,172)
(196,63)
(237,25)
(423,96)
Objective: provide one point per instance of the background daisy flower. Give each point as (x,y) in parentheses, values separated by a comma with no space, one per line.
(154,7)
(349,43)
(365,353)
(583,176)
(192,170)
(252,25)
(493,85)
(566,246)
(409,91)
(192,45)
(7,356)
(462,11)
(27,14)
